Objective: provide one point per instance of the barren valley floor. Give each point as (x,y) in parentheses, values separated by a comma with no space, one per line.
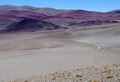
(23,55)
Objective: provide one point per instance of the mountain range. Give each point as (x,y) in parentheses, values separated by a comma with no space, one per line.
(28,18)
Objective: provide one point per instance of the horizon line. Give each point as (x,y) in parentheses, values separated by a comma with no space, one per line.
(56,8)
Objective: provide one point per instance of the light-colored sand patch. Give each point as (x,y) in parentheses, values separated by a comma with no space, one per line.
(26,63)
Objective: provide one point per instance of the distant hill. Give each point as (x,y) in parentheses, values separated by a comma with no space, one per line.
(115,11)
(49,17)
(22,14)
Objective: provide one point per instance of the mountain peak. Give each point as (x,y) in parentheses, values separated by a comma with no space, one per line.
(7,7)
(117,11)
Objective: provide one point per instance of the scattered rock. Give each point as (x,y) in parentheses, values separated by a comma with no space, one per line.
(93,74)
(79,76)
(109,76)
(109,70)
(54,77)
(15,81)
(26,81)
(94,81)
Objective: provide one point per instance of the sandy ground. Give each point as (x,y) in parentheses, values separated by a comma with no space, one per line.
(23,55)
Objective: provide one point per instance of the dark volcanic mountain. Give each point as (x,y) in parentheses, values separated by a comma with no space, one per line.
(5,22)
(30,25)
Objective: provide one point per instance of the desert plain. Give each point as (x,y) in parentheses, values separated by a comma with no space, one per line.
(27,56)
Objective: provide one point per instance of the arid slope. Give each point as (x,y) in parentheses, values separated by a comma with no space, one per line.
(24,55)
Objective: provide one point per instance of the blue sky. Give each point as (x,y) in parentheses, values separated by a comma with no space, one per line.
(92,5)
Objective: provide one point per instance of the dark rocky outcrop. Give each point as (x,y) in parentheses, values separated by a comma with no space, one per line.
(93,22)
(4,22)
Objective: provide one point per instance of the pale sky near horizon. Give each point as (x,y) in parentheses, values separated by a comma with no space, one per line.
(92,5)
